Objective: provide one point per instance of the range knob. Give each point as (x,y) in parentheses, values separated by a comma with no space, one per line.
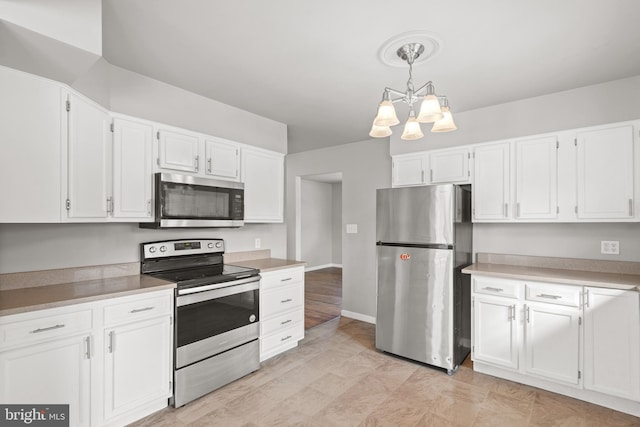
(210,245)
(218,244)
(163,248)
(152,250)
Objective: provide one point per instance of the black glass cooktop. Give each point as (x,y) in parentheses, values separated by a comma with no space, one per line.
(190,277)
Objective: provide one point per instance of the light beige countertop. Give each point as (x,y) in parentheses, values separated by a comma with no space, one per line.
(38,290)
(570,271)
(260,259)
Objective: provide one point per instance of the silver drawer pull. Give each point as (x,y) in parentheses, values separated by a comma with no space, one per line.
(285,338)
(285,322)
(287,279)
(489,288)
(286,300)
(548,296)
(50,328)
(138,310)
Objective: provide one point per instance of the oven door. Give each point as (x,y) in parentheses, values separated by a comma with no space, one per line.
(213,321)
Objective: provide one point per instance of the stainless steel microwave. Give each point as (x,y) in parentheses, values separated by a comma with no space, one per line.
(188,201)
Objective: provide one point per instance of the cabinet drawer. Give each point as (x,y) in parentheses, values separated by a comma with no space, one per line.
(282,277)
(282,338)
(46,327)
(280,300)
(280,322)
(498,287)
(554,294)
(137,309)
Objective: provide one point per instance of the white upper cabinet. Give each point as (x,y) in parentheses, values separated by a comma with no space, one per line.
(605,173)
(537,178)
(30,148)
(178,151)
(491,190)
(409,169)
(263,177)
(449,166)
(132,186)
(89,142)
(222,159)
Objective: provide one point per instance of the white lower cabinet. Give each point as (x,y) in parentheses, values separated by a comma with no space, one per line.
(57,356)
(612,342)
(583,342)
(281,310)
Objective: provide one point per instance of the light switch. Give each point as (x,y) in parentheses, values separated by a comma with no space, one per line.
(352,228)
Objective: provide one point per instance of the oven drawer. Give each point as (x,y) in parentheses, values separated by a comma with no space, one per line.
(280,300)
(45,327)
(554,294)
(273,279)
(139,307)
(286,337)
(282,321)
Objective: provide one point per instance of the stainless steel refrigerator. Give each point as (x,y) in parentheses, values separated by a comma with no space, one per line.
(424,240)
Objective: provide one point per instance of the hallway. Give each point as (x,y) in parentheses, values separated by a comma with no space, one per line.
(322,296)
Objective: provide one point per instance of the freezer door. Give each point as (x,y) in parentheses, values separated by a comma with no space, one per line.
(415,304)
(419,215)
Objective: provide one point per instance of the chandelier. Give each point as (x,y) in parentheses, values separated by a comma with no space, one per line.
(434,108)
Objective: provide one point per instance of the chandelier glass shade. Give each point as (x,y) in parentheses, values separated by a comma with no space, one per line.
(433,108)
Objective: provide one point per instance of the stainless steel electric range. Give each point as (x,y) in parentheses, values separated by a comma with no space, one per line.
(216,314)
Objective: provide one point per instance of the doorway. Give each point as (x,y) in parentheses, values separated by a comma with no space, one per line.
(319,243)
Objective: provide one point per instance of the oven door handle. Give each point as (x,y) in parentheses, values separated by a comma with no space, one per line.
(230,288)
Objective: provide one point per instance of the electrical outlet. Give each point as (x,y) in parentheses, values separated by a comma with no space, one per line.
(610,247)
(258,243)
(352,228)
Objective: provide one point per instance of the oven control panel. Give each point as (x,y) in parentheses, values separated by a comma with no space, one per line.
(171,248)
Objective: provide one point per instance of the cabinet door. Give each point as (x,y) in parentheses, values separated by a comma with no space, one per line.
(178,151)
(30,148)
(537,178)
(612,342)
(89,142)
(449,166)
(222,158)
(495,333)
(409,170)
(263,177)
(55,372)
(551,340)
(131,169)
(605,173)
(137,365)
(491,182)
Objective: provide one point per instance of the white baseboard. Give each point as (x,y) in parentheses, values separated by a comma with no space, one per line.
(320,267)
(358,316)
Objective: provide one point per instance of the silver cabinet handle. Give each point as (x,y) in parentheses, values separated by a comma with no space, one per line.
(518,209)
(87,341)
(138,310)
(431,175)
(489,288)
(287,279)
(506,209)
(285,338)
(548,296)
(285,322)
(197,163)
(110,205)
(286,300)
(209,165)
(50,328)
(112,341)
(630,207)
(149,207)
(509,313)
(513,312)
(528,314)
(422,177)
(586,297)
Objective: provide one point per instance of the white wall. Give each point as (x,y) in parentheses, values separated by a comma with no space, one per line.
(317,222)
(365,167)
(74,22)
(336,240)
(28,247)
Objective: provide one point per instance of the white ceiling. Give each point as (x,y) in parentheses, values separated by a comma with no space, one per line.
(314,65)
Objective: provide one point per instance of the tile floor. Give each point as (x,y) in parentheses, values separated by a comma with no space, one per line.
(337,378)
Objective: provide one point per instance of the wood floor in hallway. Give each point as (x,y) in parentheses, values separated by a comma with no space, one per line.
(322,296)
